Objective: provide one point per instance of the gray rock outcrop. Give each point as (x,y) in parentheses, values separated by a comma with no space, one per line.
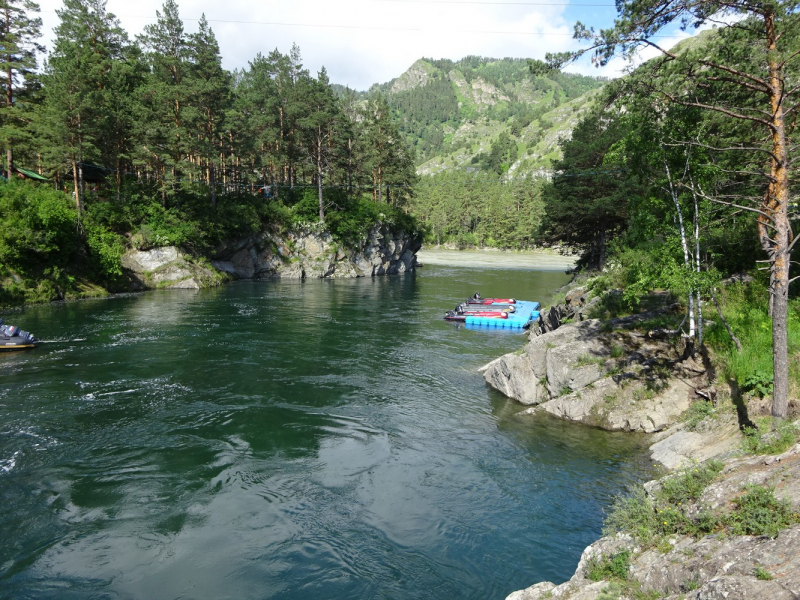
(295,255)
(610,379)
(305,253)
(170,268)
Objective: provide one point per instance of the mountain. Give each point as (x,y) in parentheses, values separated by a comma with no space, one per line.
(485,114)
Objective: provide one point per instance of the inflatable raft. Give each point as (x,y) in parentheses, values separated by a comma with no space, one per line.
(519,319)
(503,313)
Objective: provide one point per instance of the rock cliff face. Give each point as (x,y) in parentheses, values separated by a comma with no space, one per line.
(296,255)
(304,253)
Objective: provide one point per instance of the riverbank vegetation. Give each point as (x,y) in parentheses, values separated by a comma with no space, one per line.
(692,160)
(150,142)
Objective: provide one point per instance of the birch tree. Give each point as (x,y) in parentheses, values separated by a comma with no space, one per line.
(746,75)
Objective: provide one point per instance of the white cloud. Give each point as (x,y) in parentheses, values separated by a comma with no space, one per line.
(359,42)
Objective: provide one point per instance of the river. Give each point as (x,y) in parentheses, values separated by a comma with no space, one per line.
(289,439)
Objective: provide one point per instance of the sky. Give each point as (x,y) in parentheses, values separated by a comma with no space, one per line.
(362,42)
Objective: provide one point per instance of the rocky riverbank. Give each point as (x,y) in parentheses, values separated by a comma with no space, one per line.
(723,564)
(624,374)
(294,255)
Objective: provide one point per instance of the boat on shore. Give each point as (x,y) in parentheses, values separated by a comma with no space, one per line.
(14,338)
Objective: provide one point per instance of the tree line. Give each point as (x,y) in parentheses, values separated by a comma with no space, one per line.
(161,112)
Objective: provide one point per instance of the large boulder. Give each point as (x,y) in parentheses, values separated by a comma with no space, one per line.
(170,268)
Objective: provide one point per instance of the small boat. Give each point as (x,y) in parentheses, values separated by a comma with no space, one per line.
(485,301)
(13,338)
(477,299)
(452,315)
(485,307)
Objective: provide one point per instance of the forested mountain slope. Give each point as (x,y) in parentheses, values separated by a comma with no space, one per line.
(485,114)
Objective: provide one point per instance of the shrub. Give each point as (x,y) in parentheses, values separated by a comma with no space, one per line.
(39,226)
(689,484)
(697,411)
(762,573)
(633,514)
(649,519)
(759,512)
(614,567)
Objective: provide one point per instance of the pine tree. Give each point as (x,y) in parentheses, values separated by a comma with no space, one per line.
(76,110)
(163,135)
(208,96)
(19,31)
(320,127)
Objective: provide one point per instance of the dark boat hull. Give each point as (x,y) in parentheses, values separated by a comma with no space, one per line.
(13,338)
(16,343)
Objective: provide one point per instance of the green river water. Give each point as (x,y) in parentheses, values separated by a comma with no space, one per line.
(288,439)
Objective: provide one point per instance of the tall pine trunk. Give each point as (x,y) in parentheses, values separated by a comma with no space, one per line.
(775,231)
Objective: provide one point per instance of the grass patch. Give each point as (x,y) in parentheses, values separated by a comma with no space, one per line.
(613,567)
(650,519)
(763,439)
(745,308)
(697,412)
(587,359)
(762,574)
(617,351)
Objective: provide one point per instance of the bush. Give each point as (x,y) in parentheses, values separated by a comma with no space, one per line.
(759,512)
(615,567)
(689,484)
(39,226)
(697,412)
(649,519)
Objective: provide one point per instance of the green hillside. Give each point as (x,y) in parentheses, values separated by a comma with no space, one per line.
(485,114)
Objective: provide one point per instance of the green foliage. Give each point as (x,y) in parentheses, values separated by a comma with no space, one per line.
(746,309)
(106,249)
(39,226)
(759,512)
(634,514)
(697,412)
(689,484)
(759,383)
(762,574)
(469,209)
(615,567)
(350,226)
(767,437)
(650,519)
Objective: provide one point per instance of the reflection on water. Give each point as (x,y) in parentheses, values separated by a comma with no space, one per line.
(322,439)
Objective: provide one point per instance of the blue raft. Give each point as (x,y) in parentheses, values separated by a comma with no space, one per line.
(521,319)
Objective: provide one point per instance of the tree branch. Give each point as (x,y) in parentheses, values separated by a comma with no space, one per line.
(718,109)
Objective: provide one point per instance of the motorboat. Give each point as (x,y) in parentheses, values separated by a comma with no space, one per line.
(14,338)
